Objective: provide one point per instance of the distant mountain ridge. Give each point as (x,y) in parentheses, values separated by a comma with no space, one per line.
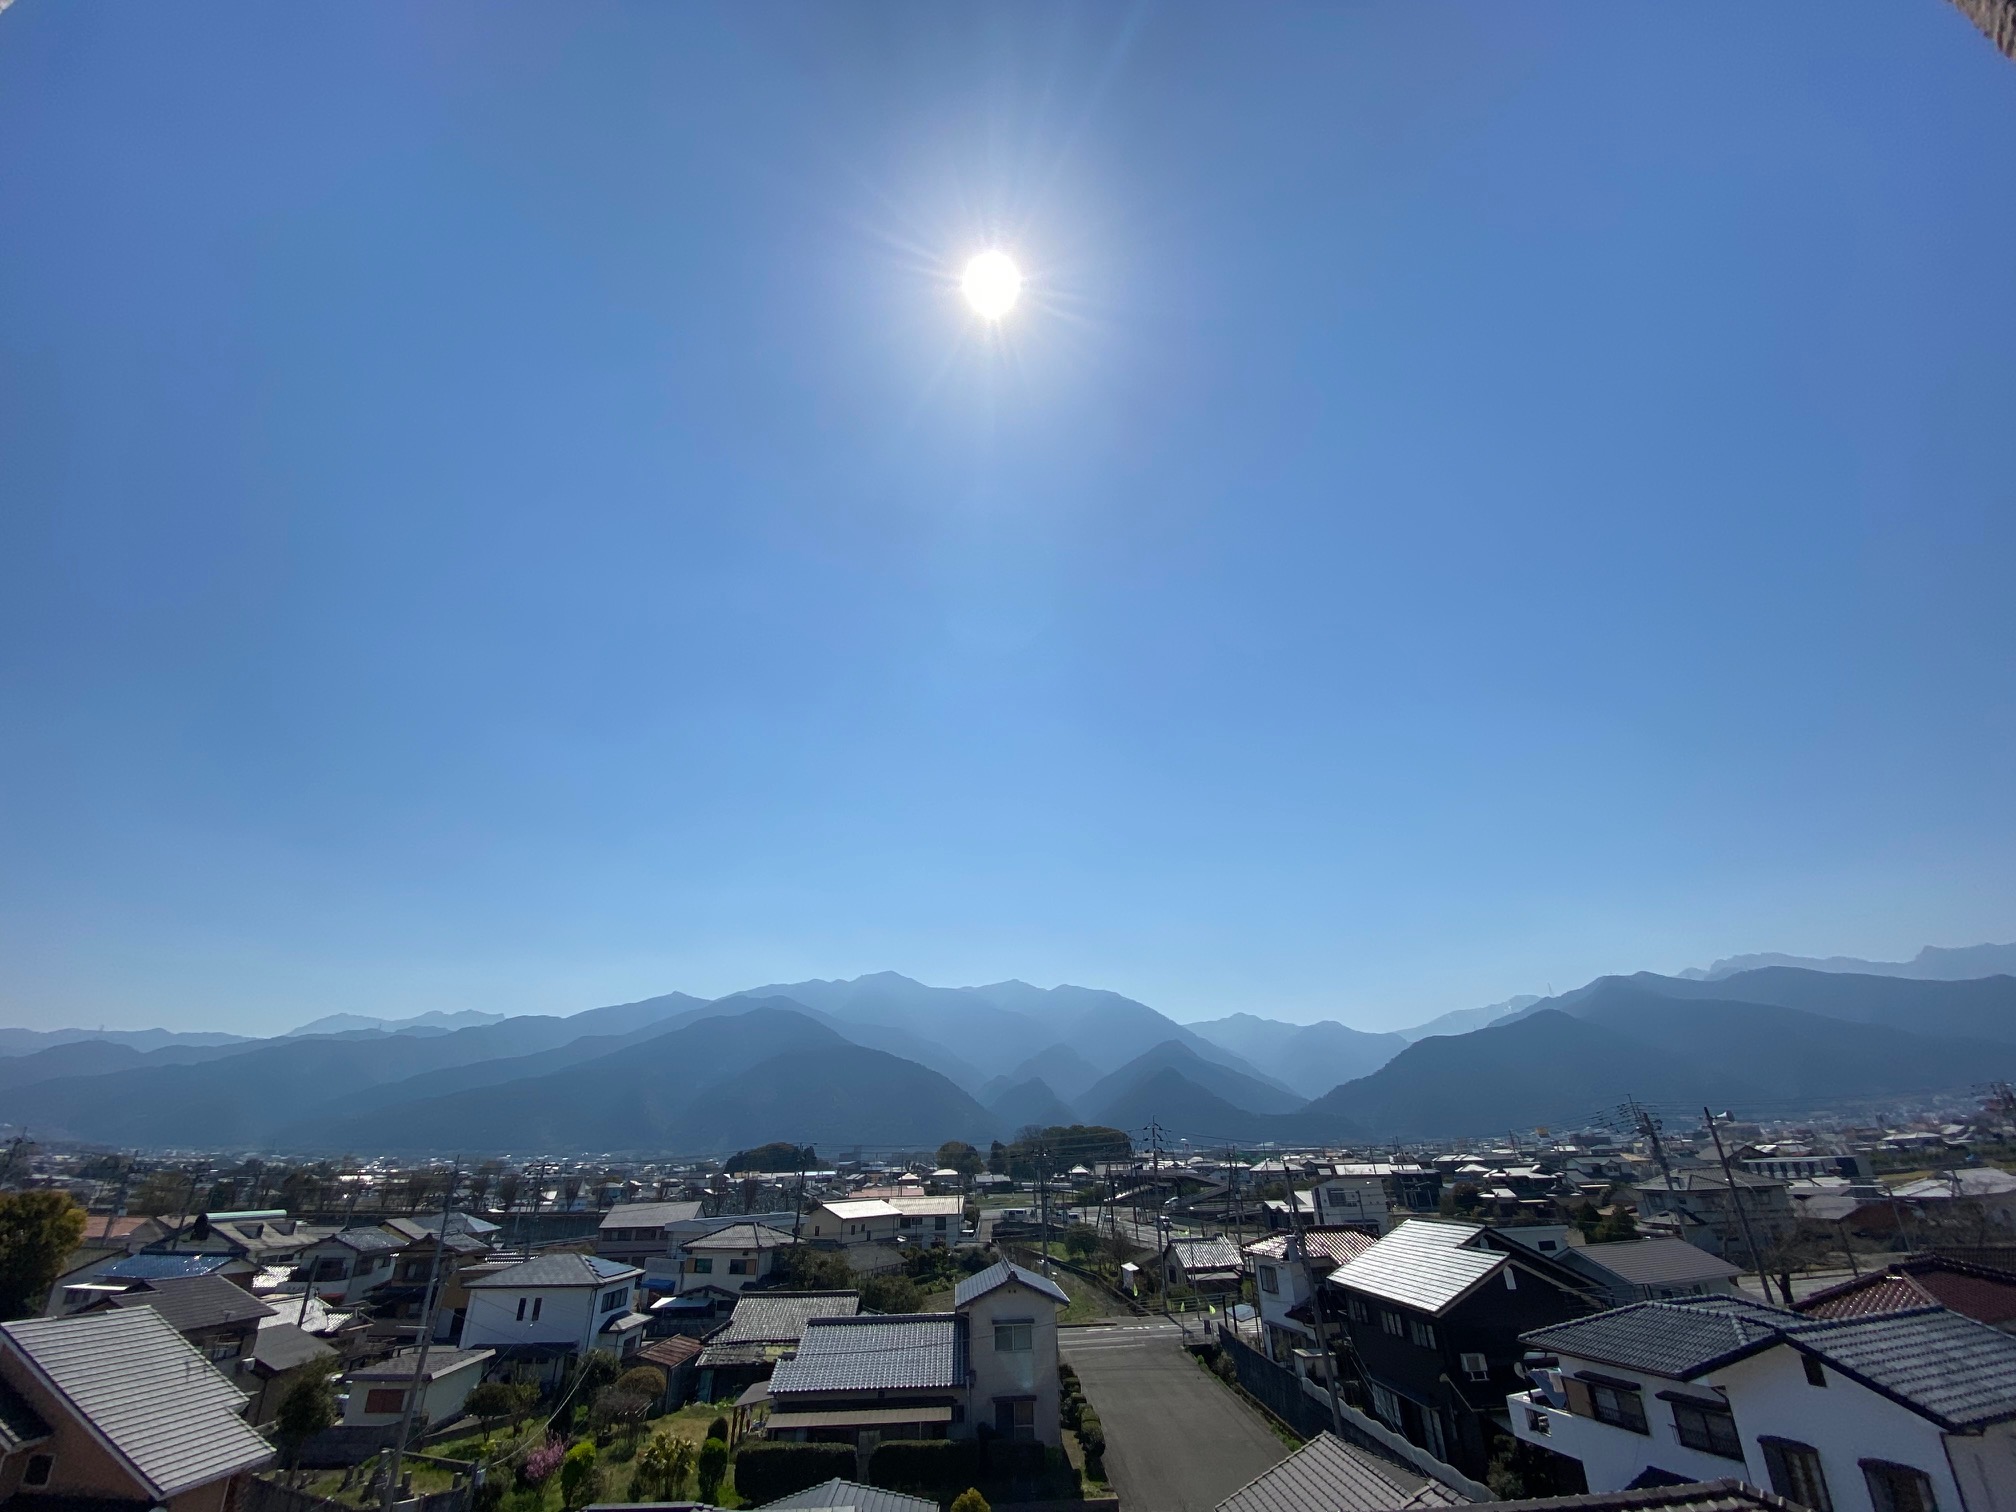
(881,1057)
(1934,963)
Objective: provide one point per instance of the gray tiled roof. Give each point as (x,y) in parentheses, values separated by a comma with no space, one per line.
(1000,1274)
(568,1269)
(851,1496)
(905,1352)
(440,1362)
(1328,1473)
(192,1302)
(162,1406)
(369,1241)
(1959,1373)
(149,1266)
(1655,1262)
(746,1236)
(1679,1339)
(780,1317)
(1420,1264)
(280,1347)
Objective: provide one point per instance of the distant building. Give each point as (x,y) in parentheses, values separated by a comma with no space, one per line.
(635,1232)
(731,1259)
(1649,1270)
(1697,1206)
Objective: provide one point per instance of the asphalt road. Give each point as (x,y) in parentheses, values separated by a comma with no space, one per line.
(1176,1440)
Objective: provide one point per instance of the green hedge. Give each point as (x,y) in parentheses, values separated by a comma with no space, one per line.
(937,1468)
(764,1472)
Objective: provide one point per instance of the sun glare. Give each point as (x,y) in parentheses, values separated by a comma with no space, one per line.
(992,283)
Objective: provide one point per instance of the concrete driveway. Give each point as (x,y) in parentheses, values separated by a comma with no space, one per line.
(1176,1440)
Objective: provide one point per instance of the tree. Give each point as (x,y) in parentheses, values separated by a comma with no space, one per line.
(718,1429)
(664,1465)
(807,1269)
(1081,1241)
(577,1475)
(494,1400)
(647,1381)
(970,1500)
(616,1408)
(891,1294)
(957,1155)
(38,1230)
(306,1410)
(997,1158)
(712,1467)
(509,1186)
(1615,1226)
(773,1159)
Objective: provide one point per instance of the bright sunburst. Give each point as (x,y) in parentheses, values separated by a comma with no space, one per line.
(992,283)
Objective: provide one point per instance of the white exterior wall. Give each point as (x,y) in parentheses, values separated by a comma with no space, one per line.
(997,1373)
(1769,1396)
(1291,1291)
(356,1281)
(442,1399)
(1352,1199)
(567,1316)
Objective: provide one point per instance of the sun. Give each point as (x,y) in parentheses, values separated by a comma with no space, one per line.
(992,283)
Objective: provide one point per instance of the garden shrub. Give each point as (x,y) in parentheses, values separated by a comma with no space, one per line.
(766,1472)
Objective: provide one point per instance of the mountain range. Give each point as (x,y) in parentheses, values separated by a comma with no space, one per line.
(884,1061)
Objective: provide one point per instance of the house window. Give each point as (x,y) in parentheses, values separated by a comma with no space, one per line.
(1795,1473)
(1393,1323)
(1619,1406)
(738,1268)
(703,1267)
(1015,1417)
(1898,1488)
(1476,1367)
(521,1309)
(38,1471)
(1816,1373)
(385,1399)
(1360,1313)
(612,1301)
(1014,1338)
(1386,1405)
(1421,1332)
(537,1303)
(1707,1426)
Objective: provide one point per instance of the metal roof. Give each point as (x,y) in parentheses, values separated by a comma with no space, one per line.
(367,1241)
(780,1317)
(151,1267)
(567,1269)
(1420,1264)
(280,1347)
(1215,1254)
(849,1212)
(851,1496)
(1326,1247)
(1000,1274)
(1681,1338)
(904,1352)
(440,1362)
(158,1404)
(1326,1472)
(649,1214)
(1654,1262)
(193,1302)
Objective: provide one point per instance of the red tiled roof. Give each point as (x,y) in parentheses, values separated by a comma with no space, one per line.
(670,1353)
(1973,1291)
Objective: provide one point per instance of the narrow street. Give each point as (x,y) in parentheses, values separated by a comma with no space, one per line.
(1176,1440)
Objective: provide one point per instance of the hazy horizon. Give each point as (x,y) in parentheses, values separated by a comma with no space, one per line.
(520,515)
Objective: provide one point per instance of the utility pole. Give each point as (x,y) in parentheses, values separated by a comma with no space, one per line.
(392,1470)
(798,1209)
(1736,1200)
(1647,1128)
(1299,1237)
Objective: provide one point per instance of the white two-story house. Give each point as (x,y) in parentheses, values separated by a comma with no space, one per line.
(1281,1284)
(1910,1411)
(544,1312)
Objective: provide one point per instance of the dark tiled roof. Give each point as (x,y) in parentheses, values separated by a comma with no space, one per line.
(1959,1373)
(440,1362)
(911,1352)
(851,1496)
(566,1269)
(1000,1274)
(780,1317)
(1328,1473)
(189,1303)
(1680,1338)
(369,1241)
(670,1354)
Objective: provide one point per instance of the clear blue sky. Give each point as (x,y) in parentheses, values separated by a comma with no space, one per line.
(503,507)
